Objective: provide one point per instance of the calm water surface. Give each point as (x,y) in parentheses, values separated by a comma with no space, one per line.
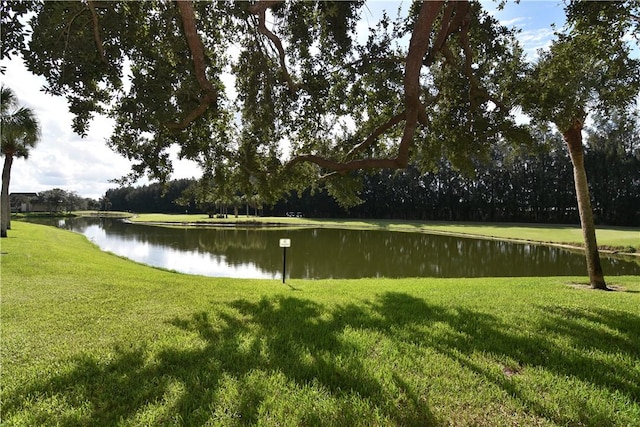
(318,253)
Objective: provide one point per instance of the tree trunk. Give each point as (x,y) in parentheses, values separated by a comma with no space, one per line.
(573,139)
(5,205)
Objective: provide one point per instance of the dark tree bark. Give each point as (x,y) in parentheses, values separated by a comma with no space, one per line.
(573,139)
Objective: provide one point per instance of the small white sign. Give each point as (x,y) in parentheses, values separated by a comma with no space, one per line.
(285,243)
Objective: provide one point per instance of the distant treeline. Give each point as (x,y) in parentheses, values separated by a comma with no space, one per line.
(515,186)
(151,198)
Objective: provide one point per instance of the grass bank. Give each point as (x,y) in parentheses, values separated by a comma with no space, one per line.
(106,214)
(89,338)
(624,239)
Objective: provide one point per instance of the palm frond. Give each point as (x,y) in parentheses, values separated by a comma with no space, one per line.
(19,126)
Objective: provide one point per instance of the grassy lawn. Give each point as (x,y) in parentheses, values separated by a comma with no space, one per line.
(621,238)
(89,338)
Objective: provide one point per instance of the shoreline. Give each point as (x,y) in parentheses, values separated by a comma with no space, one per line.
(426,230)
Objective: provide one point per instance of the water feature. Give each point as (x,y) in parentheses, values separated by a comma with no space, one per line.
(318,253)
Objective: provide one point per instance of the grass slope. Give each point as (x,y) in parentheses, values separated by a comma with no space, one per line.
(89,338)
(620,238)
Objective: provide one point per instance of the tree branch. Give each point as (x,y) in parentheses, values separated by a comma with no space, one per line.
(205,102)
(450,24)
(196,48)
(259,9)
(423,119)
(67,33)
(418,47)
(464,42)
(445,30)
(476,89)
(96,29)
(414,110)
(343,167)
(375,134)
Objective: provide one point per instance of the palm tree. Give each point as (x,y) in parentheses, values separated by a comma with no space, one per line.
(19,131)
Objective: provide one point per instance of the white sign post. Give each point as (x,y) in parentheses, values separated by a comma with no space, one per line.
(284,244)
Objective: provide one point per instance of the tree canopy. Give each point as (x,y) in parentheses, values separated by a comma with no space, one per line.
(520,184)
(278,94)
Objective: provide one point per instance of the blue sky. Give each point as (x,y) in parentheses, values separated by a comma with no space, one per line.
(85,165)
(534,18)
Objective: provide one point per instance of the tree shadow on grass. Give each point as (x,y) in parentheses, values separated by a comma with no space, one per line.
(246,344)
(299,339)
(595,337)
(301,344)
(114,391)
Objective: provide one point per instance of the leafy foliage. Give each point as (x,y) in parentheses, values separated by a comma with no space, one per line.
(20,127)
(527,183)
(232,88)
(57,200)
(587,69)
(20,133)
(13,34)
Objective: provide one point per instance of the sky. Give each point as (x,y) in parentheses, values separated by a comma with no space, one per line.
(86,165)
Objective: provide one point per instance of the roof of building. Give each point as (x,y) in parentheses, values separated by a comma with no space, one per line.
(23,195)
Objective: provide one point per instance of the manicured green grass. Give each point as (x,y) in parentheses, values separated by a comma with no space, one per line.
(89,338)
(621,238)
(204,218)
(110,214)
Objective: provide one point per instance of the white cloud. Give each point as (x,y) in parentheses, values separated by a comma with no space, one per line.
(534,19)
(63,159)
(534,40)
(513,21)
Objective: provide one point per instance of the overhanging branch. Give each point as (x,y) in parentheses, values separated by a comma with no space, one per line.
(196,48)
(418,47)
(96,29)
(259,9)
(375,134)
(343,167)
(413,113)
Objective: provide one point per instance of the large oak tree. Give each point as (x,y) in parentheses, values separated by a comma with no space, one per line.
(233,83)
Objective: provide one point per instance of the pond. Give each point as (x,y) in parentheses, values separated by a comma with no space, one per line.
(318,253)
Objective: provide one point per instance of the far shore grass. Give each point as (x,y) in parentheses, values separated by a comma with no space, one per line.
(89,338)
(623,239)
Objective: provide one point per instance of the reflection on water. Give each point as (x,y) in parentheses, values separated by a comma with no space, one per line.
(330,253)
